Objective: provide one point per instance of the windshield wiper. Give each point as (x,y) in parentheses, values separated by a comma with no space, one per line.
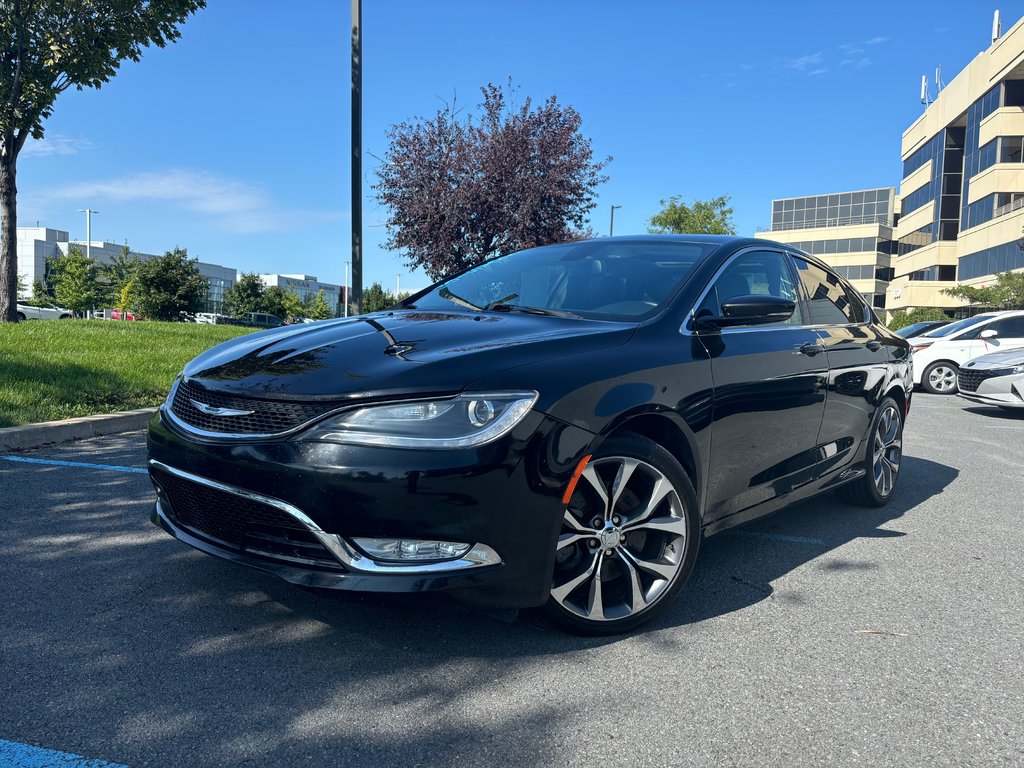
(534,310)
(444,293)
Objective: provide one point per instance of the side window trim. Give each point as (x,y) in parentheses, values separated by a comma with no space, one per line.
(805,309)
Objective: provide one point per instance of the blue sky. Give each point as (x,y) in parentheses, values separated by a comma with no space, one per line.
(234,141)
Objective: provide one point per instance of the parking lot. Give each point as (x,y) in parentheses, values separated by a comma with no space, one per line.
(824,634)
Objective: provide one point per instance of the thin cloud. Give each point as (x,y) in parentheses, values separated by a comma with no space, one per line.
(55,145)
(819,71)
(236,206)
(860,63)
(876,41)
(802,63)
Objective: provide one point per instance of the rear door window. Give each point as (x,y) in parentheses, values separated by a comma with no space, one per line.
(828,301)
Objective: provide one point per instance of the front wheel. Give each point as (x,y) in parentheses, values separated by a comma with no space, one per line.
(882,463)
(629,539)
(21,317)
(940,378)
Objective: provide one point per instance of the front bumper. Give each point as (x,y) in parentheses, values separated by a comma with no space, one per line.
(504,498)
(1005,391)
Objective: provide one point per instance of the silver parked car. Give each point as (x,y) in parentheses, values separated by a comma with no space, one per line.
(994,379)
(47,312)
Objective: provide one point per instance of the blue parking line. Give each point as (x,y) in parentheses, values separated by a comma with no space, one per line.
(778,537)
(15,755)
(76,464)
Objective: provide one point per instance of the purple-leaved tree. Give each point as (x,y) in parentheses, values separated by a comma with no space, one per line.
(462,189)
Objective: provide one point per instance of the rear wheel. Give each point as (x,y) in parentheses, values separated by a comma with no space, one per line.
(882,464)
(21,317)
(629,539)
(940,378)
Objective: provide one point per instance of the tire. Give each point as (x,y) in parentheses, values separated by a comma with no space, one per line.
(641,546)
(64,317)
(21,317)
(939,378)
(882,463)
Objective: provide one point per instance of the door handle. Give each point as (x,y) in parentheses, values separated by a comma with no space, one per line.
(811,349)
(874,345)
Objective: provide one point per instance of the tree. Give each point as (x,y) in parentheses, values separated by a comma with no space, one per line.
(284,304)
(704,217)
(122,269)
(125,298)
(902,319)
(1006,293)
(77,283)
(41,296)
(168,285)
(46,47)
(246,295)
(318,308)
(460,190)
(375,298)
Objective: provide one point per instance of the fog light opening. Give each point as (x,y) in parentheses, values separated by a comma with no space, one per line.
(411,550)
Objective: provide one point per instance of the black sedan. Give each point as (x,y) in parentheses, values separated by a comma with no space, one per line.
(559,427)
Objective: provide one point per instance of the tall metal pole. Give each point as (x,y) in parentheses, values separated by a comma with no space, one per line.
(88,230)
(611,226)
(348,295)
(357,156)
(398,284)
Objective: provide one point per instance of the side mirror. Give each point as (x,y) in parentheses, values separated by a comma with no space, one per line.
(988,333)
(751,310)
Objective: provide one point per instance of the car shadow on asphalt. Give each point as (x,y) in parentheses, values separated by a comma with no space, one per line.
(995,412)
(144,644)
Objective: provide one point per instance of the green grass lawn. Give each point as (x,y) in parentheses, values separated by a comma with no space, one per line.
(56,369)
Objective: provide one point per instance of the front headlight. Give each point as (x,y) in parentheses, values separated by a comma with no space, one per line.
(466,421)
(1017,369)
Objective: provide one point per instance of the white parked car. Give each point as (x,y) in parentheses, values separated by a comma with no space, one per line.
(939,355)
(996,379)
(48,312)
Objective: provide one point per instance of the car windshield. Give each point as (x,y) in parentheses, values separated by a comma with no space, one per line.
(603,279)
(914,329)
(959,325)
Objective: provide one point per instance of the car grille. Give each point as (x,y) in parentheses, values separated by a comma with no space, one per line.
(968,380)
(240,523)
(267,417)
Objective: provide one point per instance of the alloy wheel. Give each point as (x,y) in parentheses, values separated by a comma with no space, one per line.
(942,378)
(623,540)
(888,450)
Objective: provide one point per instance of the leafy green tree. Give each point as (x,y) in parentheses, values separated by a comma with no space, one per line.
(77,284)
(375,298)
(318,308)
(168,285)
(122,269)
(1006,293)
(125,298)
(902,319)
(41,295)
(284,304)
(703,217)
(46,47)
(246,295)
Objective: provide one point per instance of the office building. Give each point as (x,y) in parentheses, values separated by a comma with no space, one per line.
(850,231)
(963,181)
(307,287)
(35,245)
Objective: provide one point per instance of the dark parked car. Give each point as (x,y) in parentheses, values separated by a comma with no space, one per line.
(920,329)
(560,426)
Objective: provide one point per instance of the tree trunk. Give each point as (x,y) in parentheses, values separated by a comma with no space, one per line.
(8,242)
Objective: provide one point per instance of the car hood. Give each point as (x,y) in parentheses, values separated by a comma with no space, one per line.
(1005,358)
(393,353)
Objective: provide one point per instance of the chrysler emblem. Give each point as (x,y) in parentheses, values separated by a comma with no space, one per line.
(211,410)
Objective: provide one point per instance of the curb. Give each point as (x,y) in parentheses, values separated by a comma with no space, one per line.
(36,435)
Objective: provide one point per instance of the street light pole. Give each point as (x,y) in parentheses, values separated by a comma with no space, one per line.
(88,230)
(398,285)
(357,155)
(347,296)
(611,226)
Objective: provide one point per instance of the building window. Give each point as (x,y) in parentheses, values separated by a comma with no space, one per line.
(865,207)
(999,258)
(940,273)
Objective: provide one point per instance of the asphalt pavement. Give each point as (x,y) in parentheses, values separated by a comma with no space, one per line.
(825,634)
